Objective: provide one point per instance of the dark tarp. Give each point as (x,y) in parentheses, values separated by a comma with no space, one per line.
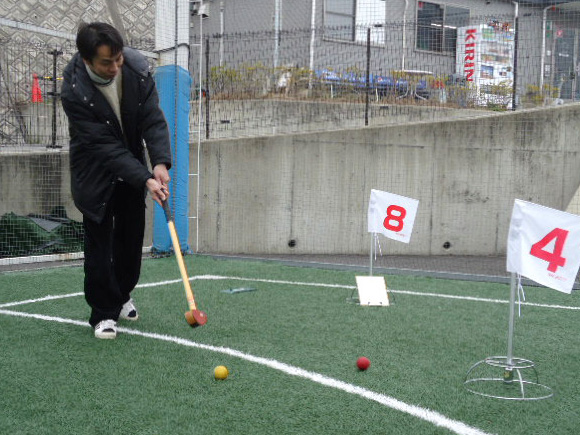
(35,234)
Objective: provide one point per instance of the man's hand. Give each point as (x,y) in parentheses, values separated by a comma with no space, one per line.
(158,186)
(161,174)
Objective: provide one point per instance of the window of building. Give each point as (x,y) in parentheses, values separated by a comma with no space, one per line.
(437,26)
(349,20)
(339,19)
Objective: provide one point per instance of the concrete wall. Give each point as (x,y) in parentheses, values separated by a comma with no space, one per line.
(260,117)
(235,118)
(37,181)
(34,182)
(258,194)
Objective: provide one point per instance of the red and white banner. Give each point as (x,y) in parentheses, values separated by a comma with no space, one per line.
(392,215)
(544,245)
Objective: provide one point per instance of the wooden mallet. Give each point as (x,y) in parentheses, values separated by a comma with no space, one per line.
(194,316)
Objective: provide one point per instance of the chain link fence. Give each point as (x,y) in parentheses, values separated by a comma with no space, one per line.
(264,83)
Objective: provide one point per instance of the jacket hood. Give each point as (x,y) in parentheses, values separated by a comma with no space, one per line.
(136,61)
(76,73)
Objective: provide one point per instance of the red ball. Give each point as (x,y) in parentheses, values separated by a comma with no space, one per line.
(363,363)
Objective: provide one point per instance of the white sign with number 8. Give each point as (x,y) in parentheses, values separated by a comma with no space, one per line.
(392,215)
(544,245)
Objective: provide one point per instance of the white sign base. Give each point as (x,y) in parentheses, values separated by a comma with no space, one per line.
(372,291)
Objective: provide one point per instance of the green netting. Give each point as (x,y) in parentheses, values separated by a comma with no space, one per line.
(39,234)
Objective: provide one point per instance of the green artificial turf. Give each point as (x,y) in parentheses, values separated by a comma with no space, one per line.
(58,379)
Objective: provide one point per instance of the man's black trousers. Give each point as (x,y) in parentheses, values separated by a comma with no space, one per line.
(113,252)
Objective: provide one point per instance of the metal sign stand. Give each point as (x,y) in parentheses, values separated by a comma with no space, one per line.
(370,283)
(519,380)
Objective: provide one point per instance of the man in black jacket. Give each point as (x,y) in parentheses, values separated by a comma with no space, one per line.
(111,102)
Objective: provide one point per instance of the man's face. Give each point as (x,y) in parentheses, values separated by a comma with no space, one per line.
(105,64)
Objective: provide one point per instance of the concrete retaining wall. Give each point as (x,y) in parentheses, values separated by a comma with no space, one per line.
(261,117)
(235,118)
(313,189)
(259,194)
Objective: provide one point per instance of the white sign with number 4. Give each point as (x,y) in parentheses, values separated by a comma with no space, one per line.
(544,245)
(392,215)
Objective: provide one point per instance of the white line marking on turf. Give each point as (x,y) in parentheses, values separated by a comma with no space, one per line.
(407,292)
(310,284)
(424,414)
(45,298)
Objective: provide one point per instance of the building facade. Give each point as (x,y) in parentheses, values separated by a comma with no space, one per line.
(404,34)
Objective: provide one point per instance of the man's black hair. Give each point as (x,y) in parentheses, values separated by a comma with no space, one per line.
(92,35)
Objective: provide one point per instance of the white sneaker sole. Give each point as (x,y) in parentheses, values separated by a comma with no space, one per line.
(125,316)
(107,330)
(106,335)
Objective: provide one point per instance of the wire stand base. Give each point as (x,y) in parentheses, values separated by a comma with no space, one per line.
(518,380)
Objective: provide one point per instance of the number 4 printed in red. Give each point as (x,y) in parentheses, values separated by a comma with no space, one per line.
(553,258)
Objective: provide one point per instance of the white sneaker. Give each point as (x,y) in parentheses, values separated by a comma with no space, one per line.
(106,329)
(129,311)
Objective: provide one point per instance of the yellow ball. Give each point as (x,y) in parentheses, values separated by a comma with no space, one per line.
(221,372)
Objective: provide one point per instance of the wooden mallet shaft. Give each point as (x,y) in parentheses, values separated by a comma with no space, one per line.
(194,316)
(181,263)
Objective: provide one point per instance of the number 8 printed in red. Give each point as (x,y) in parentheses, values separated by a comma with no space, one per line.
(392,215)
(398,218)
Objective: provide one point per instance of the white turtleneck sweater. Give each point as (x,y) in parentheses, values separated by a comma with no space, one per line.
(112,90)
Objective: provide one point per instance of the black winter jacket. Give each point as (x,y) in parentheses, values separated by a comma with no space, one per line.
(100,151)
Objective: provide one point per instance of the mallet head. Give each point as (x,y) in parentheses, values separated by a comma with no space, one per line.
(196,318)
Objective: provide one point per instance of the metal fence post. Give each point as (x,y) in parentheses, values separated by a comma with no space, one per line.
(368,74)
(55,53)
(207,97)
